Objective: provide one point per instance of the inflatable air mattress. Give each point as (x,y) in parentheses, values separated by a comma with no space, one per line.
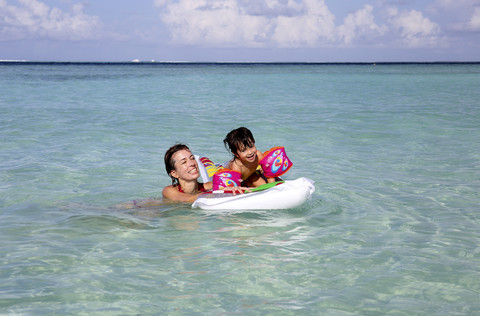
(284,195)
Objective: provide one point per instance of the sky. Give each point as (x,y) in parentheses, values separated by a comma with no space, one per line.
(240,30)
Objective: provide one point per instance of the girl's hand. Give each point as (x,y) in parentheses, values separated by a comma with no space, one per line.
(240,190)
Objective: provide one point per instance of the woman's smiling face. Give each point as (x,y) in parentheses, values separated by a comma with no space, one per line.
(186,167)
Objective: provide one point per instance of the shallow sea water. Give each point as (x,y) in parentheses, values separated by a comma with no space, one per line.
(393,227)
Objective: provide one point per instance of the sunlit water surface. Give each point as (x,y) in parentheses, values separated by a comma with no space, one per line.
(393,227)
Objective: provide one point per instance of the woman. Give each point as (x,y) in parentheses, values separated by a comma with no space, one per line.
(182,167)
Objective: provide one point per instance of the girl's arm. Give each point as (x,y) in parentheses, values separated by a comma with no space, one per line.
(260,157)
(271,180)
(208,186)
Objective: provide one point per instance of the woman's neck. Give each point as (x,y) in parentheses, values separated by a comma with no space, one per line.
(190,187)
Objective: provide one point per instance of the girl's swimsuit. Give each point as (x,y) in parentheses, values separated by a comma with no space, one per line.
(201,188)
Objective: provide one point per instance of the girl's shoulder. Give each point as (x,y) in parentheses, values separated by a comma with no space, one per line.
(235,166)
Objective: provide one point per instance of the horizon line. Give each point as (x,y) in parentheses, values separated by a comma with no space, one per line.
(137,61)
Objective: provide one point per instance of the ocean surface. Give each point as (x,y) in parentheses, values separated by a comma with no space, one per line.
(392,229)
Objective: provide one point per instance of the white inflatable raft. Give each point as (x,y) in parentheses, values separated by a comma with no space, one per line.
(290,194)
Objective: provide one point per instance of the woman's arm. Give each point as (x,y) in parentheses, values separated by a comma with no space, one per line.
(173,194)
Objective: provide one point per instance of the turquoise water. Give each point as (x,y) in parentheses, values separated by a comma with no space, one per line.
(393,227)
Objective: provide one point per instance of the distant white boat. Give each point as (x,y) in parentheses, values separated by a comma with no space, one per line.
(136,61)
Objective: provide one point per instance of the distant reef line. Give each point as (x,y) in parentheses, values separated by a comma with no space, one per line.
(138,62)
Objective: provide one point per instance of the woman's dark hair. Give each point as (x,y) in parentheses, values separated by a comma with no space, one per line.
(170,162)
(237,137)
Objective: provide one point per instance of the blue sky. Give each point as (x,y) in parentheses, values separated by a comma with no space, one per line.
(240,30)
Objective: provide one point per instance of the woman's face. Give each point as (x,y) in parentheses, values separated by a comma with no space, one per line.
(186,167)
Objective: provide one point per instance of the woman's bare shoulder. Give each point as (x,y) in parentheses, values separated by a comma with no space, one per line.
(168,191)
(173,194)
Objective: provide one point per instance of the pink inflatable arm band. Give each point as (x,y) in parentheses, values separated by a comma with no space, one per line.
(275,162)
(226,178)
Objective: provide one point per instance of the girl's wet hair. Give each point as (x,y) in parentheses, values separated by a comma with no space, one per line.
(170,162)
(238,137)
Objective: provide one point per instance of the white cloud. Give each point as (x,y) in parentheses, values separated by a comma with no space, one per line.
(360,24)
(415,29)
(250,23)
(291,23)
(313,25)
(213,22)
(34,19)
(474,22)
(457,16)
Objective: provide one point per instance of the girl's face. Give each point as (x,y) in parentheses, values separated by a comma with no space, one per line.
(186,167)
(247,153)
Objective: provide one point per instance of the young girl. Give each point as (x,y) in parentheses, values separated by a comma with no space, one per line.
(246,157)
